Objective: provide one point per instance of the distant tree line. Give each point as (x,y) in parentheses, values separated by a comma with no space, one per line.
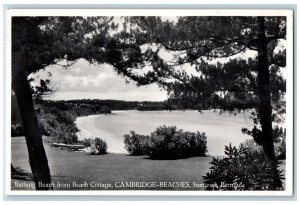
(97,104)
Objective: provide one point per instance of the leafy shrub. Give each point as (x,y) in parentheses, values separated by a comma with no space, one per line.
(63,133)
(86,142)
(252,146)
(98,146)
(57,119)
(95,146)
(279,135)
(243,169)
(136,144)
(279,138)
(166,143)
(170,143)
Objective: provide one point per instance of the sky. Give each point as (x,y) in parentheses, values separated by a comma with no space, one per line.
(85,81)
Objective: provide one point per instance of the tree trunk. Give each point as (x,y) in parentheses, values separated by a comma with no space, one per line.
(265,109)
(37,156)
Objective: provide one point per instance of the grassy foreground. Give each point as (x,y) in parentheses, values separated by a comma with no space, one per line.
(81,171)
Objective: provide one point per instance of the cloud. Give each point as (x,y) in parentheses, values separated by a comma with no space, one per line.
(83,80)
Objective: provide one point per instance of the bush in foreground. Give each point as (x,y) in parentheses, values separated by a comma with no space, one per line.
(167,143)
(243,169)
(86,142)
(136,144)
(95,146)
(279,138)
(279,135)
(170,143)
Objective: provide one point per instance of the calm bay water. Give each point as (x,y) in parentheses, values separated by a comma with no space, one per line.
(220,129)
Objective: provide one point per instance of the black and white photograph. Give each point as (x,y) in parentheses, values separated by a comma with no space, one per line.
(184,102)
